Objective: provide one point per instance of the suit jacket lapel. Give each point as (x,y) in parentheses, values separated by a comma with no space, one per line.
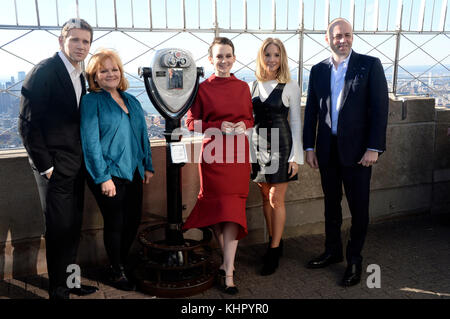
(66,82)
(327,83)
(83,84)
(349,76)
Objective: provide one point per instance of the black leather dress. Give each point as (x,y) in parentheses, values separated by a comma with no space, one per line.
(272,138)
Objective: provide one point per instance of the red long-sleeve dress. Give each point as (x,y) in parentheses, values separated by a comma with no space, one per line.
(224,166)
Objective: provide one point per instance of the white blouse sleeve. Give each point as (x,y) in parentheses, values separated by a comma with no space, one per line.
(293,95)
(249,132)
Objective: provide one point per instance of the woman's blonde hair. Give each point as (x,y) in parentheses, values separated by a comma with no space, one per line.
(96,61)
(283,73)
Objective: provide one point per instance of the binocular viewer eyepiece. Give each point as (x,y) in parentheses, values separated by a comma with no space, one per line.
(174,59)
(171,81)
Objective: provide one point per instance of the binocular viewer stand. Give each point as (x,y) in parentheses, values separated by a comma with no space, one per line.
(173,266)
(173,271)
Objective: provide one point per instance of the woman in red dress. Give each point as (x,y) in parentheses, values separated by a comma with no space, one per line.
(223,112)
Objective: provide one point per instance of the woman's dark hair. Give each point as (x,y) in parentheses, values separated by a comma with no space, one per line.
(220,40)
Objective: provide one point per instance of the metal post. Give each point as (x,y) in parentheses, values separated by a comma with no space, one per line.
(274,11)
(150,13)
(57,13)
(397,47)
(443,16)
(300,61)
(96,14)
(396,61)
(174,235)
(314,16)
(215,23)
(77,6)
(432,16)
(245,16)
(15,8)
(115,14)
(364,18)
(259,19)
(183,13)
(287,14)
(352,13)
(410,16)
(132,14)
(377,14)
(229,14)
(165,11)
(388,12)
(300,47)
(37,13)
(421,16)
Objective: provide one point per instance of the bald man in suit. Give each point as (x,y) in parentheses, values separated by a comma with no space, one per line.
(344,133)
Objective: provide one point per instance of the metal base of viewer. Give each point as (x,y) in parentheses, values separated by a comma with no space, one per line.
(173,271)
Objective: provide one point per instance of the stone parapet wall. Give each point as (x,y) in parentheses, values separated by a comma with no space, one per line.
(412,176)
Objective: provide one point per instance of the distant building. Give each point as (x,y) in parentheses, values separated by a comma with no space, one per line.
(21,76)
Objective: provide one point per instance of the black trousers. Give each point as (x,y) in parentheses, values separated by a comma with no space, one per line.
(121,214)
(62,199)
(356,181)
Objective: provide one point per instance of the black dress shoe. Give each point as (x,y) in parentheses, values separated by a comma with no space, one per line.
(221,277)
(59,293)
(84,290)
(352,275)
(324,260)
(117,278)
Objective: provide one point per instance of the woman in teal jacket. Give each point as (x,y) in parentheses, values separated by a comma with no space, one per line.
(117,156)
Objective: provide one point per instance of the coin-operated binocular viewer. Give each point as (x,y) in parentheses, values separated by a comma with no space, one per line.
(172,84)
(175,266)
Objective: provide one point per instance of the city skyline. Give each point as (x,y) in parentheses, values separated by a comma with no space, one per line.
(29,34)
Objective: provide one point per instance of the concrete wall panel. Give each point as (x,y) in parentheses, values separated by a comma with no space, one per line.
(407,109)
(442,145)
(408,159)
(417,155)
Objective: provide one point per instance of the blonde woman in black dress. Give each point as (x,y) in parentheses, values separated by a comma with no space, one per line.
(276,140)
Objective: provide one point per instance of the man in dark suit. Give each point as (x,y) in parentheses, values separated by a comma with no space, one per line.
(344,133)
(49,124)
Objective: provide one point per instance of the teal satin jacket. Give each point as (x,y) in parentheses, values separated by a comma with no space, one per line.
(114,143)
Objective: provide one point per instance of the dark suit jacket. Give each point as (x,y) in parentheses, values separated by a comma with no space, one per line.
(49,120)
(362,117)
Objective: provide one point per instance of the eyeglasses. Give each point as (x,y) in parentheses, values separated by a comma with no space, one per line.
(339,36)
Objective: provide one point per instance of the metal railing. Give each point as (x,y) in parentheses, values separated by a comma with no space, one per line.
(396,20)
(389,29)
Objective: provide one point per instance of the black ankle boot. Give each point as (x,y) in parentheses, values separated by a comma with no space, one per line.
(271,262)
(264,257)
(281,247)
